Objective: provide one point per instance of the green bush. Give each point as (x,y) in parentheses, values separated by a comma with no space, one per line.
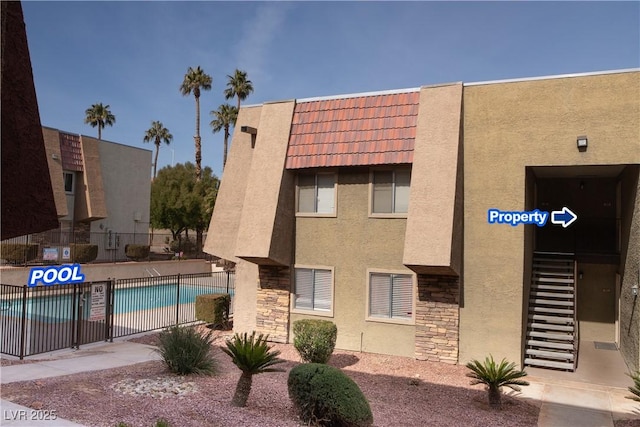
(137,252)
(82,252)
(636,386)
(18,253)
(495,376)
(213,309)
(185,245)
(185,351)
(314,339)
(325,396)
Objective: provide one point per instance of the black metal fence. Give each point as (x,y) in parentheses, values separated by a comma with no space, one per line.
(54,246)
(39,319)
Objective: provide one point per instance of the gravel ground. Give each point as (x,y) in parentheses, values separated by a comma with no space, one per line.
(401,391)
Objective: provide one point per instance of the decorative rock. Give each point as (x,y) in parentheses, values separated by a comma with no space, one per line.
(160,387)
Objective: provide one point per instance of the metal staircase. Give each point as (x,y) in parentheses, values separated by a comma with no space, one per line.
(552,328)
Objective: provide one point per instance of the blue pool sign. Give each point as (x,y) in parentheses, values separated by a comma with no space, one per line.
(56,275)
(562,217)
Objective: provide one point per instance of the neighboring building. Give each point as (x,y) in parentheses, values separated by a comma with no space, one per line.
(371,210)
(100,188)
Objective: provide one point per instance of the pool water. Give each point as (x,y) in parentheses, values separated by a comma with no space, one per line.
(59,308)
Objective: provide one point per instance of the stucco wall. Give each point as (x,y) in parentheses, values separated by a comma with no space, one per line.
(222,235)
(91,203)
(435,190)
(245,298)
(351,243)
(507,127)
(630,267)
(126,181)
(258,237)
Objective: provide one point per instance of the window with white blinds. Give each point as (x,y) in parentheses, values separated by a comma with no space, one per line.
(313,289)
(316,193)
(391,296)
(390,193)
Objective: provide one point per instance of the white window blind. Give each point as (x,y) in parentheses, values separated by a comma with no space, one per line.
(391,191)
(313,289)
(316,193)
(326,199)
(391,296)
(306,193)
(379,295)
(401,196)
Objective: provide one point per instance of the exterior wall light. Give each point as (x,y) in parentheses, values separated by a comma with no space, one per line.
(582,143)
(251,131)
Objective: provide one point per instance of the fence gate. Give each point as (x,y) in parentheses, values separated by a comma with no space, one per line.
(46,318)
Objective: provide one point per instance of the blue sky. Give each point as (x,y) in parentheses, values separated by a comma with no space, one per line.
(133,55)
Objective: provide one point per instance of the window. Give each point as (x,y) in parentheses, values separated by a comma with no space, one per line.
(68,182)
(391,296)
(313,289)
(316,193)
(390,194)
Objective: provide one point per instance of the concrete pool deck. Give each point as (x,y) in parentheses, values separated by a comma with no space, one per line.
(563,403)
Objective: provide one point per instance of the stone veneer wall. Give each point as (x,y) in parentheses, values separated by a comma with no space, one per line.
(273,303)
(437,318)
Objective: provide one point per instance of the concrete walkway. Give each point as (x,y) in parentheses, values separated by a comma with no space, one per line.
(564,403)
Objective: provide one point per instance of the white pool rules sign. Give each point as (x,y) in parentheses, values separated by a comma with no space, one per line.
(98,301)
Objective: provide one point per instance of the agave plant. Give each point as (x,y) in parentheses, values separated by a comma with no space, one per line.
(636,386)
(495,376)
(252,355)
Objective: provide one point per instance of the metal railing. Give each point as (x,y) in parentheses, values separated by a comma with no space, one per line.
(39,319)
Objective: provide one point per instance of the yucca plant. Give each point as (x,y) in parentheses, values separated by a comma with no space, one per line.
(252,355)
(495,376)
(636,386)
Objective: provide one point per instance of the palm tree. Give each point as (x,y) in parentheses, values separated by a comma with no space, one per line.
(157,133)
(99,115)
(224,117)
(239,87)
(195,81)
(495,376)
(252,356)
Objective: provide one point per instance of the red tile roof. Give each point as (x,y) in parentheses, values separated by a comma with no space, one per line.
(357,131)
(71,152)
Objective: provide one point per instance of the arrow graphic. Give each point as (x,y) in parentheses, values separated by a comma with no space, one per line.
(564,217)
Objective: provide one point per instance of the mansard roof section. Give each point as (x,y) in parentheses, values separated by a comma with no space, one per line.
(356,130)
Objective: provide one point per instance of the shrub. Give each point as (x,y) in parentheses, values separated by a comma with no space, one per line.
(83,252)
(18,253)
(325,396)
(213,309)
(314,339)
(185,351)
(636,387)
(495,376)
(252,356)
(185,245)
(137,252)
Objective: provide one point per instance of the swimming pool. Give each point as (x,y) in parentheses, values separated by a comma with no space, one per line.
(59,308)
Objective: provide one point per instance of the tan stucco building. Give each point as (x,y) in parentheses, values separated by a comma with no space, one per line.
(374,211)
(99,187)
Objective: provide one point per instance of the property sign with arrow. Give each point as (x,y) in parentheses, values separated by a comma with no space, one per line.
(564,217)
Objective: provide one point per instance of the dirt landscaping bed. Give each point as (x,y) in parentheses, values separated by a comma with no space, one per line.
(401,391)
